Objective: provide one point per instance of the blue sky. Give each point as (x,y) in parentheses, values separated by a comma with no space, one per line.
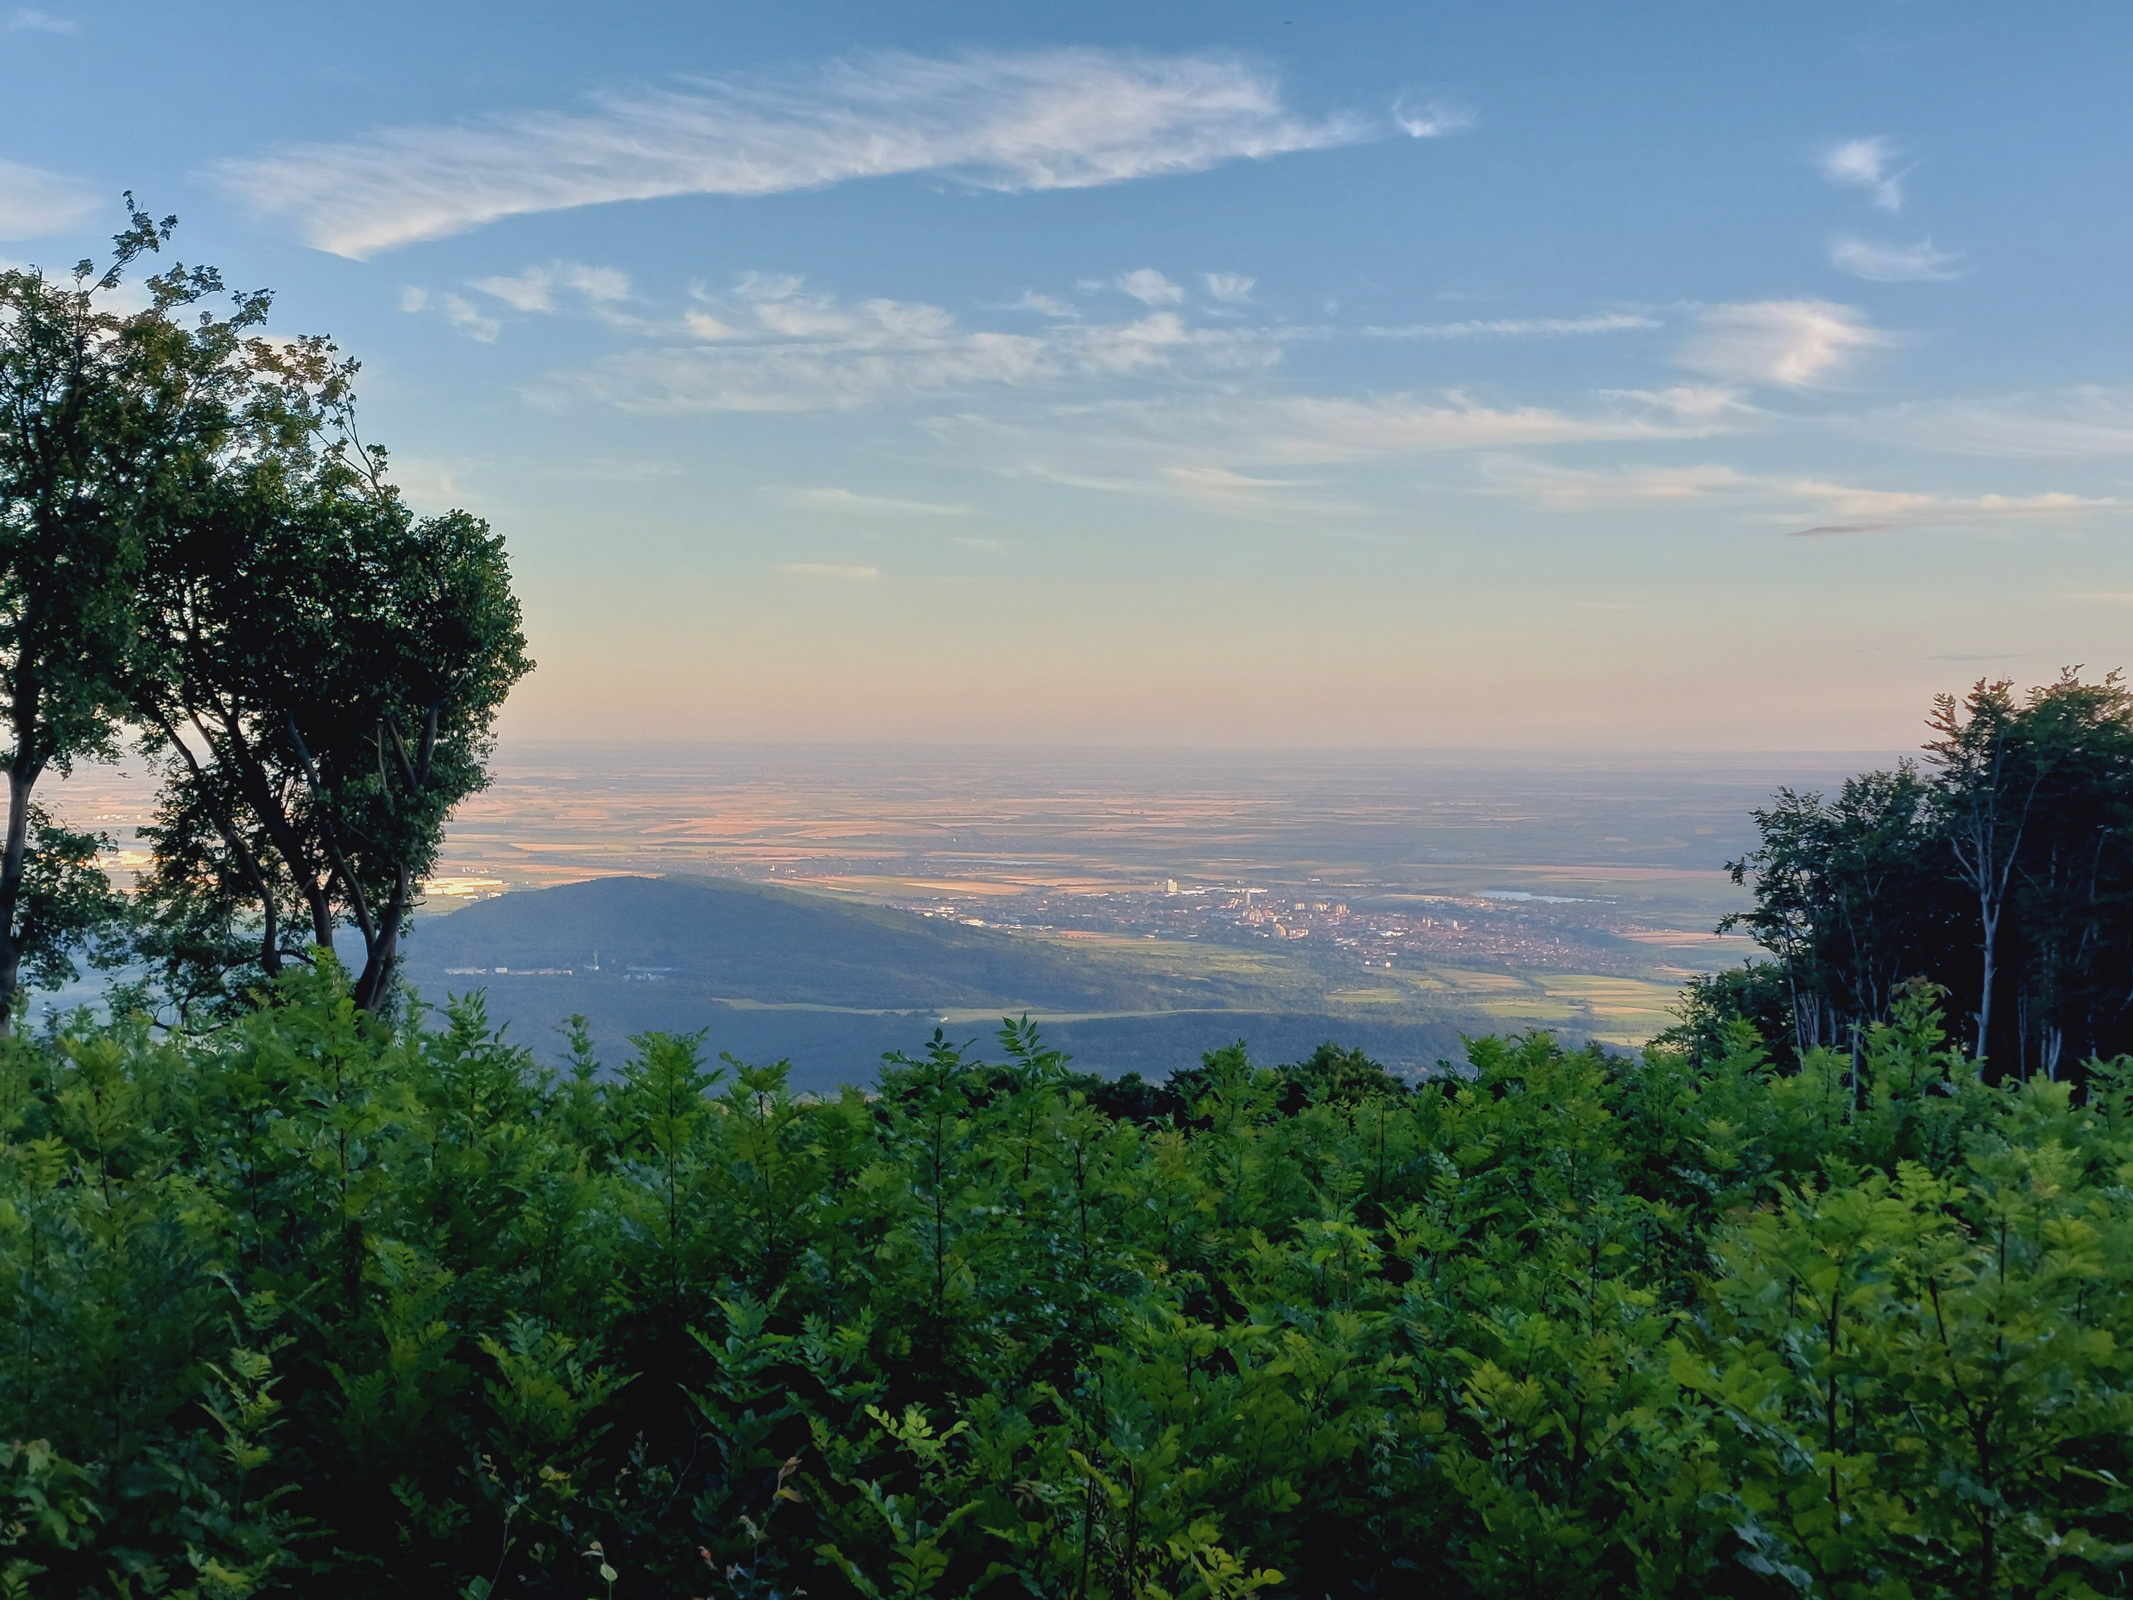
(1513,375)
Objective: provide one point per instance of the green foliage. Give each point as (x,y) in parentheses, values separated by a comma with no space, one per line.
(197,551)
(2003,874)
(316,1305)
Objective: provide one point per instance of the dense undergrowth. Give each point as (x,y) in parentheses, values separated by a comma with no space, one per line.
(314,1306)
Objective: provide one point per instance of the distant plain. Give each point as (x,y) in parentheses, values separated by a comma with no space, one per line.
(1573,893)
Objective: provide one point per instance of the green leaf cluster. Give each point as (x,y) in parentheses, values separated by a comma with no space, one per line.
(316,1304)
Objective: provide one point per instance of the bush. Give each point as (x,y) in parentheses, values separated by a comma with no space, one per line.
(313,1305)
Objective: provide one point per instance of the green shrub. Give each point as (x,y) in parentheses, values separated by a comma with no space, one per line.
(311,1305)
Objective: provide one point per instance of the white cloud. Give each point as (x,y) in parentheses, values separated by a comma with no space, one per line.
(828,569)
(429,485)
(1150,287)
(26,20)
(1896,505)
(1215,449)
(868,504)
(2078,424)
(1849,508)
(1220,486)
(1515,327)
(1045,306)
(776,346)
(1571,488)
(1797,343)
(456,309)
(34,202)
(1867,164)
(1048,120)
(1432,119)
(1895,263)
(535,288)
(1237,454)
(1193,483)
(1686,402)
(1304,429)
(1233,288)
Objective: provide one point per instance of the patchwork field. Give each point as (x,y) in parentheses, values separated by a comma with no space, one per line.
(1367,892)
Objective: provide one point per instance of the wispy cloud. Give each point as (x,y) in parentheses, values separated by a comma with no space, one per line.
(25,20)
(1198,484)
(832,570)
(1515,327)
(2075,424)
(1303,429)
(537,288)
(1217,450)
(456,309)
(774,345)
(1049,120)
(1431,119)
(867,504)
(1845,508)
(1573,488)
(34,202)
(1868,164)
(1895,263)
(1690,404)
(1150,287)
(1045,305)
(1887,507)
(1233,288)
(1794,343)
(1223,488)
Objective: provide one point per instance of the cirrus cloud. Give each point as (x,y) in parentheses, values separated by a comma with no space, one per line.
(1793,343)
(1895,263)
(536,288)
(1432,119)
(1061,119)
(2089,422)
(774,345)
(34,202)
(1868,164)
(869,504)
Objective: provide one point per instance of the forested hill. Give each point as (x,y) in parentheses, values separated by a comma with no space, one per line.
(772,945)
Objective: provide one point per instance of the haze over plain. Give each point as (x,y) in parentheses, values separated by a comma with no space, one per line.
(1520,376)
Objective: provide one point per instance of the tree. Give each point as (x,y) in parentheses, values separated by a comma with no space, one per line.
(1848,898)
(2073,879)
(2004,875)
(100,415)
(1989,778)
(325,672)
(2037,795)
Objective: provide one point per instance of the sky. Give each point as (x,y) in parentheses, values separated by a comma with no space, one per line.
(1489,375)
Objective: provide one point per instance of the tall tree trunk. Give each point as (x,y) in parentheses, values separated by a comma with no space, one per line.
(382,950)
(1989,919)
(14,864)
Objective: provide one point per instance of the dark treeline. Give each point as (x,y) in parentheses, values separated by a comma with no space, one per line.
(200,559)
(2001,870)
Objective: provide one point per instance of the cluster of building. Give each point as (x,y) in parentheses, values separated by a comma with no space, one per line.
(1452,929)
